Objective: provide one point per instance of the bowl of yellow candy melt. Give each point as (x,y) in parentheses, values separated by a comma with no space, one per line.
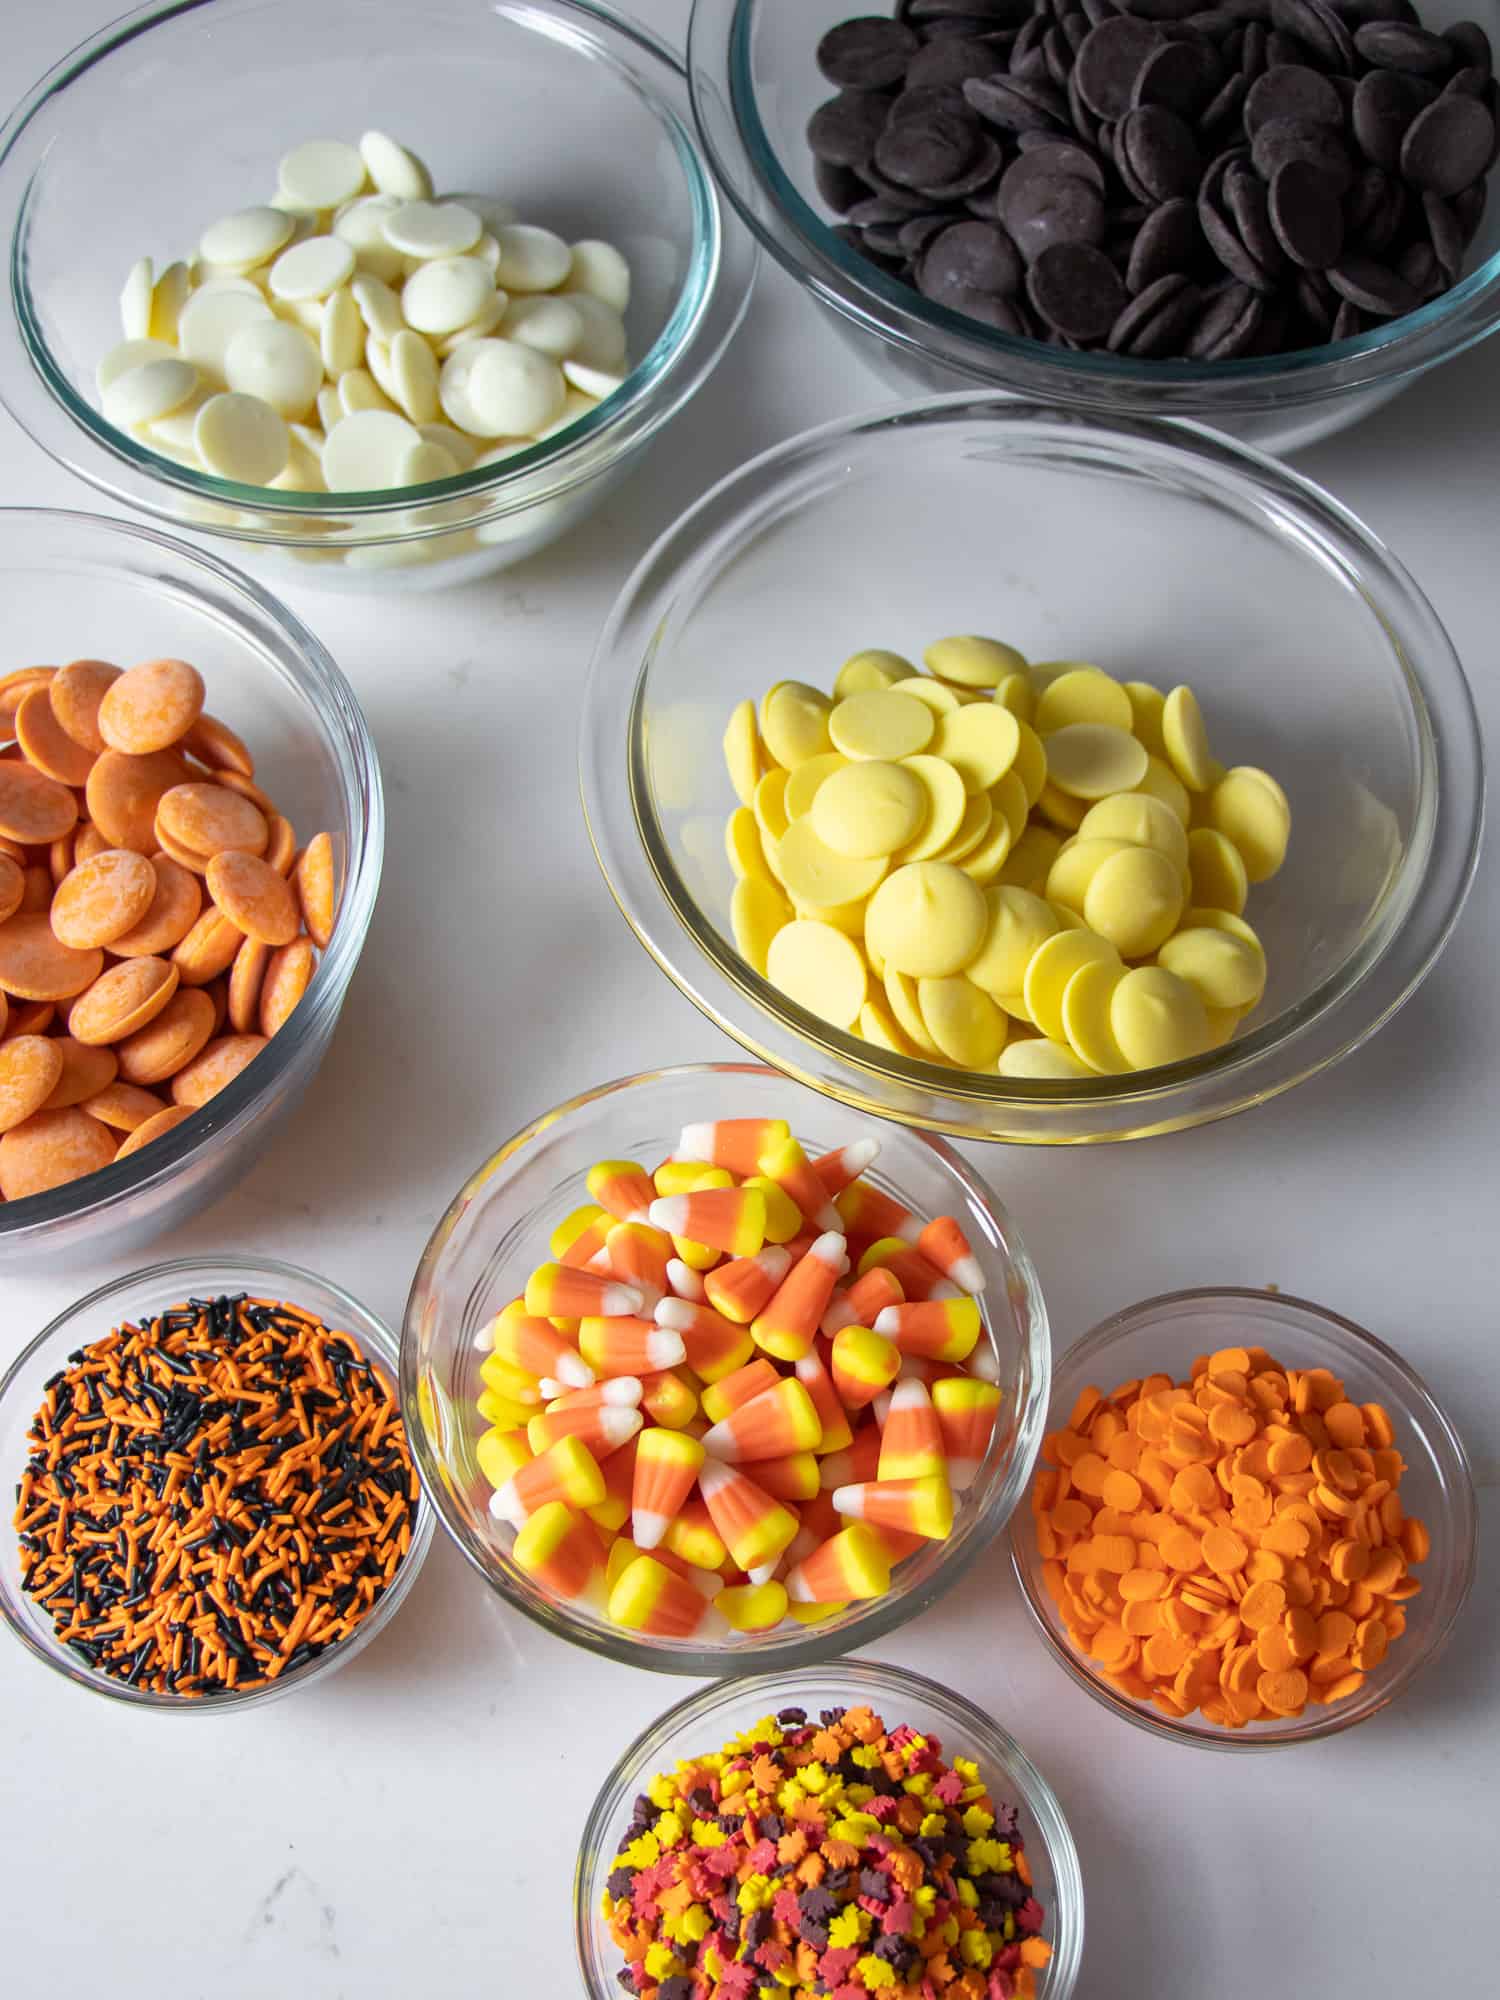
(1032,779)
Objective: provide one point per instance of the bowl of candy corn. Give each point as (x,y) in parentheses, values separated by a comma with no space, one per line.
(701,1374)
(1251,1524)
(928,1854)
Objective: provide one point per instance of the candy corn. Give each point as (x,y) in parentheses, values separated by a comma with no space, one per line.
(629,1346)
(739,1289)
(863,1362)
(813,1374)
(647,1597)
(562,1552)
(913,1506)
(789,1167)
(579,1237)
(684,1280)
(560,1291)
(945,1246)
(940,1329)
(783,1217)
(638,1255)
(692,1535)
(770,1425)
(622,1187)
(739,1144)
(622,1392)
(966,1410)
(857,1465)
(911,1439)
(618,1471)
(845,1164)
(536,1345)
(514,1383)
(794,1477)
(603,1427)
(731,1219)
(754,1526)
(498,1454)
(753,1607)
(666,1465)
(866,1297)
(667,1400)
(731,1391)
(848,1566)
(501,1412)
(918,1279)
(714,1346)
(870,1214)
(566,1471)
(623,1552)
(682,1176)
(787,1324)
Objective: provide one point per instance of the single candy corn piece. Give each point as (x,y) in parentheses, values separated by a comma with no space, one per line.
(559,1291)
(621,1392)
(638,1255)
(838,1168)
(622,1187)
(714,1346)
(753,1607)
(866,1297)
(731,1219)
(789,1167)
(869,1213)
(699,1256)
(912,1506)
(506,1380)
(579,1237)
(814,1614)
(812,1373)
(668,1400)
(850,1566)
(682,1176)
(741,1287)
(603,1427)
(940,1329)
(735,1143)
(863,1363)
(500,1454)
(966,1411)
(788,1323)
(856,1466)
(666,1465)
(691,1534)
(536,1345)
(732,1391)
(783,1217)
(793,1478)
(629,1346)
(562,1552)
(917,1278)
(911,1438)
(755,1527)
(897,1544)
(648,1597)
(500,1412)
(566,1471)
(685,1281)
(948,1250)
(618,1470)
(770,1425)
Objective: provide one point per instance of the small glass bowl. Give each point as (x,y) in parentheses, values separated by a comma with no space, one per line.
(1158,551)
(141,1294)
(707,1720)
(755,83)
(147,132)
(1165,1336)
(76,586)
(494,1234)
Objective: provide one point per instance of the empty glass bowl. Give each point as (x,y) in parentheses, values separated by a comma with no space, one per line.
(494,1234)
(755,83)
(1157,551)
(138,1296)
(175,115)
(1164,1336)
(705,1722)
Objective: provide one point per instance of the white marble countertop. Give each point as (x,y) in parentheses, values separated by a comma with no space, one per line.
(364,1839)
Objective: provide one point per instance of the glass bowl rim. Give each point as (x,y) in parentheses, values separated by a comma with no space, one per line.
(813,1644)
(386,1348)
(874,1680)
(1332,1721)
(719,64)
(636,861)
(325,687)
(613,424)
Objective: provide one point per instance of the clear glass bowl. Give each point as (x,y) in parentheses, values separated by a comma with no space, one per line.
(495,1232)
(148,131)
(1157,550)
(1165,1336)
(75,586)
(705,1721)
(143,1293)
(755,83)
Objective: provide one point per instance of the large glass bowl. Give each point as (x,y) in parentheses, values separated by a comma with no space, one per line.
(1157,551)
(495,1232)
(1164,1336)
(78,586)
(178,113)
(755,83)
(130,1298)
(706,1721)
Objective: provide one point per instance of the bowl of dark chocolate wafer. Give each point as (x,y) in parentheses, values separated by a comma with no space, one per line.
(1264,215)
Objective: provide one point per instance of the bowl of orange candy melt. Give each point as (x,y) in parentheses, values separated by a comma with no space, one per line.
(706,1375)
(1251,1525)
